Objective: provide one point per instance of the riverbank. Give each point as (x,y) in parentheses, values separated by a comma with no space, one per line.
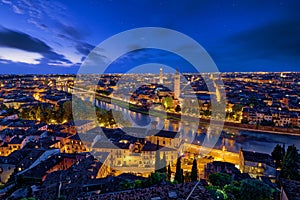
(296,133)
(177,116)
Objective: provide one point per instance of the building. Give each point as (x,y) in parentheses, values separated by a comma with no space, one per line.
(149,150)
(164,138)
(118,152)
(223,167)
(176,84)
(71,144)
(15,143)
(82,126)
(161,81)
(135,157)
(257,164)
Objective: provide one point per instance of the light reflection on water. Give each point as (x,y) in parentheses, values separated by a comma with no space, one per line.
(248,140)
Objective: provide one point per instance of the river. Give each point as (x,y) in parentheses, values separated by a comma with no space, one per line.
(248,140)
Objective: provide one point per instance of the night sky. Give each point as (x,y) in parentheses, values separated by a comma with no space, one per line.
(42,36)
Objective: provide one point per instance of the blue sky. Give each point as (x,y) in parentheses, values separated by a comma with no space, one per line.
(56,36)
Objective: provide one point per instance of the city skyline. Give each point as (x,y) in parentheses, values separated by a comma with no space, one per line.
(149,99)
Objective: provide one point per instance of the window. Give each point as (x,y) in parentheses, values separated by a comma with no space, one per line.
(259,164)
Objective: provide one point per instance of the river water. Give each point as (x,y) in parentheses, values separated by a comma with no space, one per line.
(248,140)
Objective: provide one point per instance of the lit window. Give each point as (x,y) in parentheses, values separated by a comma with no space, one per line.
(259,164)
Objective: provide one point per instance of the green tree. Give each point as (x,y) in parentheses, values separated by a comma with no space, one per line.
(233,190)
(237,108)
(219,195)
(153,179)
(168,102)
(277,155)
(39,114)
(178,173)
(3,107)
(254,189)
(220,179)
(163,163)
(137,183)
(290,164)
(67,111)
(177,108)
(194,173)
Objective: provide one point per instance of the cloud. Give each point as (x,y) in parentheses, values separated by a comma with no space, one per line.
(27,43)
(7,2)
(19,40)
(15,6)
(61,64)
(16,55)
(70,31)
(84,48)
(37,24)
(56,27)
(17,10)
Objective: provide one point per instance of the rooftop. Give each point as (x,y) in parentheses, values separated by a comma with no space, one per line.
(258,157)
(291,188)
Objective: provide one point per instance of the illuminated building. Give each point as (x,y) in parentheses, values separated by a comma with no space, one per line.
(256,164)
(161,81)
(176,84)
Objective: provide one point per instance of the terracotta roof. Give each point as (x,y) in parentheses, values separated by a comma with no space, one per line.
(258,157)
(153,147)
(163,133)
(291,188)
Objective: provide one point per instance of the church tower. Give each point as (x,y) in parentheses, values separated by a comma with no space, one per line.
(176,84)
(161,81)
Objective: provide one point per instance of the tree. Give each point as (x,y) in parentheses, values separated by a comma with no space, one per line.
(3,107)
(157,158)
(233,190)
(137,183)
(220,179)
(168,102)
(194,173)
(177,108)
(67,111)
(38,114)
(277,155)
(290,164)
(163,163)
(178,173)
(153,179)
(254,189)
(237,108)
(119,118)
(169,172)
